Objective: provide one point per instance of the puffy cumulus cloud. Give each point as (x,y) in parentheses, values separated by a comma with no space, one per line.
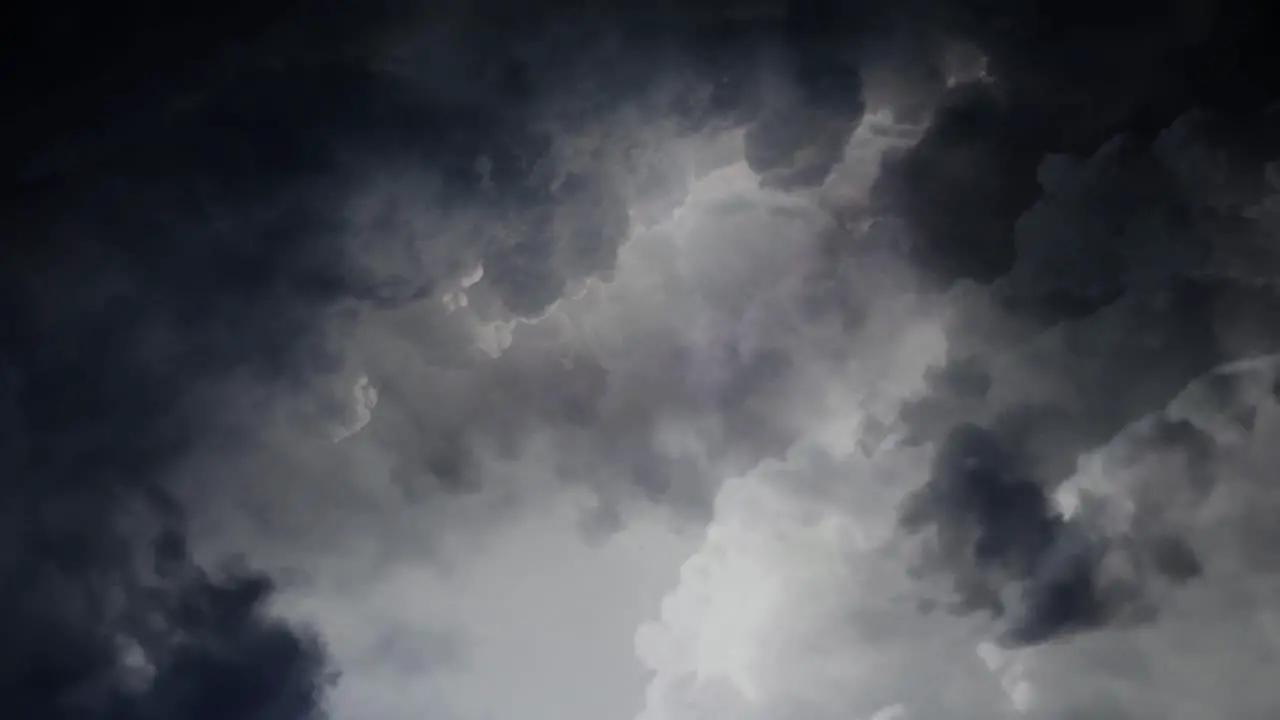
(801,601)
(495,250)
(1108,242)
(257,232)
(1100,243)
(799,605)
(1038,394)
(698,357)
(1140,487)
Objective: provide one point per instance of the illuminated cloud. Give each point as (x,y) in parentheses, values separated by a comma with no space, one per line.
(765,268)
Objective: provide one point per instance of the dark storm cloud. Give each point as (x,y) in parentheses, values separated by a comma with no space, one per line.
(180,205)
(179,212)
(1114,207)
(1063,78)
(160,246)
(1015,556)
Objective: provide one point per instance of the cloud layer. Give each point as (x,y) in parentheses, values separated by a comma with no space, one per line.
(875,292)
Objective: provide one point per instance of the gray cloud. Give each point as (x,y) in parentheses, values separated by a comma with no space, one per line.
(629,253)
(1181,307)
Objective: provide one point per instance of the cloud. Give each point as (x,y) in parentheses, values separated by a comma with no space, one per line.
(229,241)
(628,253)
(1161,317)
(1087,272)
(795,604)
(800,600)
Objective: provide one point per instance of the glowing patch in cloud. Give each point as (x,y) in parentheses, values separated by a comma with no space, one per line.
(364,397)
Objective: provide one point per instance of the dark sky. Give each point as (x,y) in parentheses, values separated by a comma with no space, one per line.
(219,217)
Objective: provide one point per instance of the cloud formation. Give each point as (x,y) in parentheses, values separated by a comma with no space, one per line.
(335,289)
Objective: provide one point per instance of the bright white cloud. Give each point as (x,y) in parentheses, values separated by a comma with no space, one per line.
(797,603)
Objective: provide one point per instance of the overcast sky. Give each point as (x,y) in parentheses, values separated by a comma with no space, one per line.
(791,360)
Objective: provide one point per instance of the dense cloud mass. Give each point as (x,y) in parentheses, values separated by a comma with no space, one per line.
(949,322)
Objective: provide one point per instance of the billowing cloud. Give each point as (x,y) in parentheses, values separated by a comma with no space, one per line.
(801,601)
(351,294)
(1093,269)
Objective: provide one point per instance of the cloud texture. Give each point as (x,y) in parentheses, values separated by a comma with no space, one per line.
(892,298)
